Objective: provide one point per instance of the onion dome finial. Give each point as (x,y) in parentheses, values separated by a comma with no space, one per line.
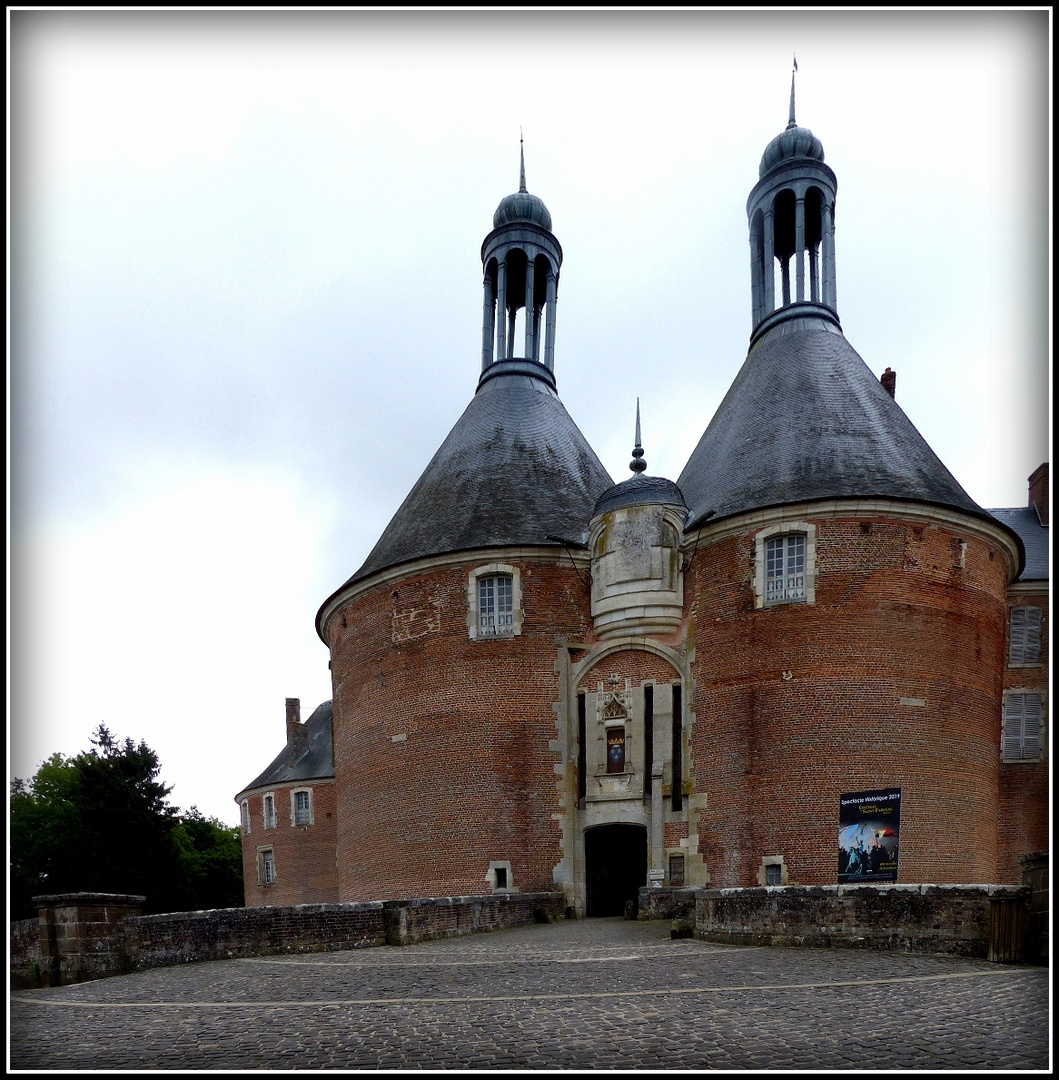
(638,465)
(521,163)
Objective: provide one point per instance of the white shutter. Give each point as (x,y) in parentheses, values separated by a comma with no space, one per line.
(1017,645)
(1032,652)
(1031,727)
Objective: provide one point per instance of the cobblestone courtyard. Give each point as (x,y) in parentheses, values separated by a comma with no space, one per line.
(592,994)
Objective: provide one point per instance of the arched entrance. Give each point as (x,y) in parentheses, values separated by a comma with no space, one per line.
(615,867)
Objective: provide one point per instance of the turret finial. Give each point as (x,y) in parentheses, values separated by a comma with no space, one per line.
(791,121)
(522,163)
(638,465)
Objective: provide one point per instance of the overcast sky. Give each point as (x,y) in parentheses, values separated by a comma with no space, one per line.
(246,299)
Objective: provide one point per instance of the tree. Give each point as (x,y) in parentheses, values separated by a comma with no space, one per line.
(102,822)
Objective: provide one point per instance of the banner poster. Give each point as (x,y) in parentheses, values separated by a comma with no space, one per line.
(869,826)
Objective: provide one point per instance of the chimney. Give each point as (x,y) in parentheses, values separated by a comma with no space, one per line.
(1039,492)
(296,737)
(889,381)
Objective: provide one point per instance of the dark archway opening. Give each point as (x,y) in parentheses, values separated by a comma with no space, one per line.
(615,867)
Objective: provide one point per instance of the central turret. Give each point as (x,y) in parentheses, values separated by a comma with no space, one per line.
(520,261)
(792,221)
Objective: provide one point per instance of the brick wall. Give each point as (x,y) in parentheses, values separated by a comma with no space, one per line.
(304,854)
(950,919)
(890,679)
(445,747)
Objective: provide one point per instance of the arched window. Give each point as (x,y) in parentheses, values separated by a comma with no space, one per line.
(494,600)
(785,564)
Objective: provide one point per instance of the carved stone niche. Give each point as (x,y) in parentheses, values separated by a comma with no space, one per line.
(637,582)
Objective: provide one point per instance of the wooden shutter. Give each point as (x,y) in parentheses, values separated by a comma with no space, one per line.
(1022,727)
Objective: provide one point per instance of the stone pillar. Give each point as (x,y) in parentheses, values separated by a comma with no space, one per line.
(549,325)
(530,309)
(786,281)
(828,241)
(756,278)
(814,283)
(770,262)
(488,319)
(501,309)
(799,246)
(511,333)
(82,935)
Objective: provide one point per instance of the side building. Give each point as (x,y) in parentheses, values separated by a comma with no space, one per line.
(288,818)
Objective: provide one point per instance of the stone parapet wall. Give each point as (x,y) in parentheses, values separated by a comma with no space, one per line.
(953,919)
(139,942)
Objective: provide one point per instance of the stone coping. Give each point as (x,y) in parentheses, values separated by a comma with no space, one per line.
(56,899)
(869,887)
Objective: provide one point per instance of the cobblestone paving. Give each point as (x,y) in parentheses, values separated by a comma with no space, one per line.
(592,994)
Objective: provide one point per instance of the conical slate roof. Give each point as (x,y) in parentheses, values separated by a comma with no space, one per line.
(806,419)
(513,471)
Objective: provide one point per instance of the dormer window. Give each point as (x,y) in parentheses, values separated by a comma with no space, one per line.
(494,599)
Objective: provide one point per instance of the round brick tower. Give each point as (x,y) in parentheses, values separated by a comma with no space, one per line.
(445,644)
(845,596)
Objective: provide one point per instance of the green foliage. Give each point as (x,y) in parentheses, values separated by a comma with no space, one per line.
(101,822)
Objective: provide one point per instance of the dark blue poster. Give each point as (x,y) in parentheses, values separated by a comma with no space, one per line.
(869,827)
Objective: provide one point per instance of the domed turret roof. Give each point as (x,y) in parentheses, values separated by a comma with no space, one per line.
(805,419)
(514,470)
(520,207)
(794,142)
(639,491)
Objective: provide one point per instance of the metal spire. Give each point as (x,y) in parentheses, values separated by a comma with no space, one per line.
(791,121)
(638,465)
(522,163)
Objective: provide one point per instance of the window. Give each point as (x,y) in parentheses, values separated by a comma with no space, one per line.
(494,601)
(301,806)
(269,809)
(500,878)
(1022,727)
(244,812)
(266,866)
(785,564)
(773,874)
(785,568)
(676,870)
(1025,635)
(495,614)
(616,750)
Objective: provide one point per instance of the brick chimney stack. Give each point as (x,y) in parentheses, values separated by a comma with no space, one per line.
(889,381)
(1039,492)
(296,736)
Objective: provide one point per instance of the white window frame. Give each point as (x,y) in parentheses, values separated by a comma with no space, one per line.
(773,532)
(475,630)
(266,857)
(1022,727)
(270,820)
(244,814)
(295,792)
(1025,623)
